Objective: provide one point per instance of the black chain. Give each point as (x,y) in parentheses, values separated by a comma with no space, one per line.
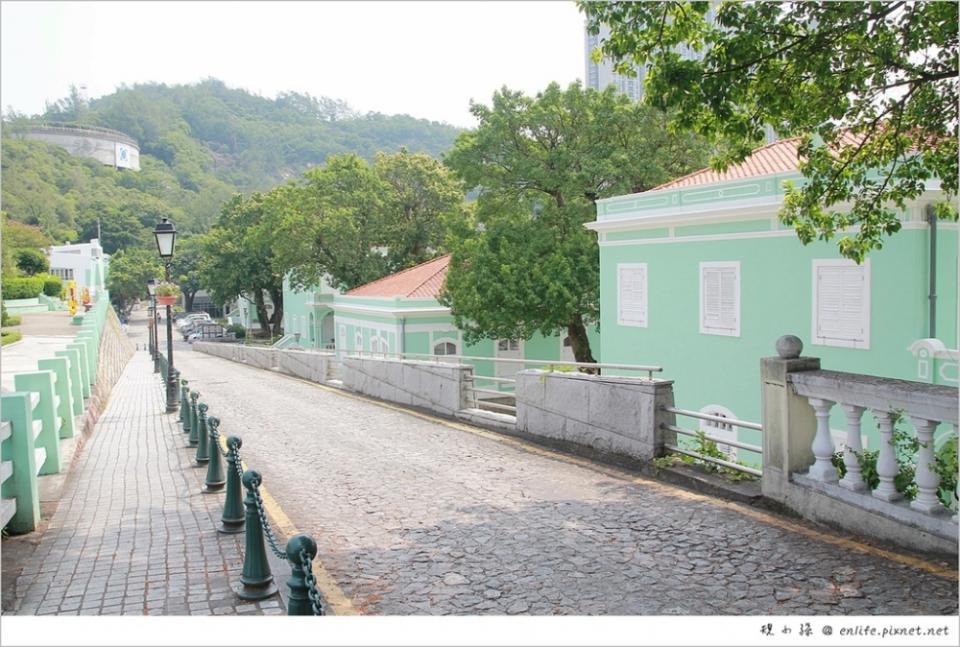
(315,601)
(215,432)
(267,530)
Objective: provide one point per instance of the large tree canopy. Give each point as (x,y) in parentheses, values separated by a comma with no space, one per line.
(355,222)
(130,269)
(871,87)
(541,162)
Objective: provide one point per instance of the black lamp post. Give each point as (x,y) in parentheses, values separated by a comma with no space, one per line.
(152,324)
(166,235)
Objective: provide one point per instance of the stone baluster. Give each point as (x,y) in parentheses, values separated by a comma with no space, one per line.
(822,469)
(928,481)
(887,461)
(853,479)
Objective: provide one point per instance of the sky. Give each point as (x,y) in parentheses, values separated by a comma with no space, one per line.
(426,59)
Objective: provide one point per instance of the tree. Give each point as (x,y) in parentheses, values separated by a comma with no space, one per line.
(870,87)
(31,261)
(130,269)
(354,223)
(185,269)
(541,163)
(238,259)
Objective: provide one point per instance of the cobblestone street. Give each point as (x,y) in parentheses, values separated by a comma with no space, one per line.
(418,516)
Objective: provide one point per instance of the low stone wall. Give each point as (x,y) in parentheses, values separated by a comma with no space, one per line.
(617,416)
(434,386)
(259,357)
(307,365)
(115,351)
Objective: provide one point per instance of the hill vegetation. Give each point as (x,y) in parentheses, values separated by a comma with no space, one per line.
(199,145)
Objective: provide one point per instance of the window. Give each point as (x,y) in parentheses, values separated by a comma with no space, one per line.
(841,303)
(508,344)
(720,430)
(720,298)
(444,347)
(358,340)
(632,294)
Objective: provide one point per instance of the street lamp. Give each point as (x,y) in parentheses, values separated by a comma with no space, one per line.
(152,324)
(166,235)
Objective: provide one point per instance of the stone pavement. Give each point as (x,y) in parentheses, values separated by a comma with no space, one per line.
(43,334)
(133,534)
(418,516)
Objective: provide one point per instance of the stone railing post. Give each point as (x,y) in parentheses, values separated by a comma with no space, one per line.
(789,424)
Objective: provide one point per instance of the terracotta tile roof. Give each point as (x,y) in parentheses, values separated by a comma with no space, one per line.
(778,157)
(420,281)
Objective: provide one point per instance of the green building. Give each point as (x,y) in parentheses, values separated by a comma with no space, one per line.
(399,313)
(700,277)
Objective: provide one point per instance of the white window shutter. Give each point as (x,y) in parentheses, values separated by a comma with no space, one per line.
(841,302)
(632,297)
(720,298)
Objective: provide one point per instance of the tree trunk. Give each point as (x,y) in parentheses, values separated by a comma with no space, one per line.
(579,341)
(188,300)
(276,321)
(261,311)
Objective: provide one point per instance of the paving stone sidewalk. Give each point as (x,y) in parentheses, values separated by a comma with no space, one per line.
(133,533)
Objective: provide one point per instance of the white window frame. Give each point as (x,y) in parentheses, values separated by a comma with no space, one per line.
(726,332)
(445,340)
(645,320)
(818,340)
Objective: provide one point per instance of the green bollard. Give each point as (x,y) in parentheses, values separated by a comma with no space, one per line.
(256,581)
(298,602)
(184,401)
(194,422)
(203,434)
(214,481)
(231,522)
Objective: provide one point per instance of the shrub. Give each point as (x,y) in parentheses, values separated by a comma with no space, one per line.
(52,285)
(22,288)
(237,330)
(10,336)
(31,261)
(165,289)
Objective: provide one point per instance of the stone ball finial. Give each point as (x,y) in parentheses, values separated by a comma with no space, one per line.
(251,479)
(298,543)
(234,442)
(203,406)
(789,347)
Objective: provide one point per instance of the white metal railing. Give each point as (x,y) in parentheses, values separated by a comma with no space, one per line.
(732,422)
(927,406)
(484,397)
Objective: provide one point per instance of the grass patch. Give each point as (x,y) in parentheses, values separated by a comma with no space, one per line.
(9,336)
(13,320)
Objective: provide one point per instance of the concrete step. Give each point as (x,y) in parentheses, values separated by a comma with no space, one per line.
(8,508)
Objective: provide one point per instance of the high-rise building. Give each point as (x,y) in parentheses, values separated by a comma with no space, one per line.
(600,75)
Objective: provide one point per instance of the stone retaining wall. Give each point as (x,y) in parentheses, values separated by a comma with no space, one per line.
(610,415)
(434,386)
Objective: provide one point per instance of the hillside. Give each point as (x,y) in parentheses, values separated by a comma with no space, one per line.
(199,144)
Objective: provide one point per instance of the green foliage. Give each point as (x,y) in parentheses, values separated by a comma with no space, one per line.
(22,288)
(239,331)
(165,289)
(240,260)
(52,285)
(525,263)
(705,447)
(199,145)
(130,269)
(871,87)
(31,261)
(355,222)
(906,446)
(10,336)
(15,236)
(186,267)
(7,319)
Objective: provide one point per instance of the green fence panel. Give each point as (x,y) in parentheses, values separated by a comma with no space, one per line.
(46,412)
(76,378)
(19,449)
(84,367)
(61,367)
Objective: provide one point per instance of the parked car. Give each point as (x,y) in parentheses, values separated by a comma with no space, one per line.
(209,331)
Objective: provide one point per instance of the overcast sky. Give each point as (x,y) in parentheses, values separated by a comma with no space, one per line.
(427,59)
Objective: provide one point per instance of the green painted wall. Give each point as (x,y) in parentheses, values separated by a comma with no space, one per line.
(776,299)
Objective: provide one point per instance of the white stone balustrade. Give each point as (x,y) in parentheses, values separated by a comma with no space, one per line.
(926,405)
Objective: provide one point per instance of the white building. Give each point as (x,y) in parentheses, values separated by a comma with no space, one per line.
(84,263)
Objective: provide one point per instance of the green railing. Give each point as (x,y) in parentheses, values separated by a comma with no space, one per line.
(40,412)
